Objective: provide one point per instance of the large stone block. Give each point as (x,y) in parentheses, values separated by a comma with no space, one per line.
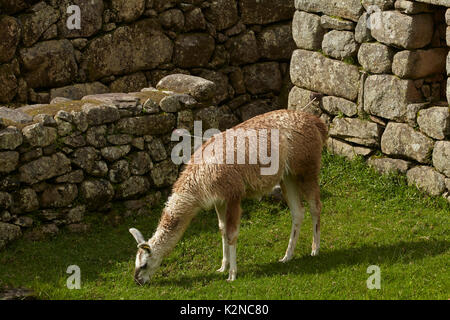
(222,13)
(340,44)
(44,168)
(8,161)
(356,131)
(10,138)
(347,150)
(276,43)
(128,49)
(147,125)
(201,89)
(307,30)
(441,157)
(381,4)
(187,53)
(300,100)
(262,77)
(435,122)
(96,192)
(376,57)
(388,165)
(349,9)
(39,136)
(49,64)
(127,10)
(59,196)
(401,30)
(387,96)
(336,105)
(265,11)
(36,21)
(401,140)
(244,48)
(444,3)
(420,63)
(313,71)
(427,179)
(10,38)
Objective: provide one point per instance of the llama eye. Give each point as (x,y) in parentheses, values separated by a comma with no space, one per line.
(144,266)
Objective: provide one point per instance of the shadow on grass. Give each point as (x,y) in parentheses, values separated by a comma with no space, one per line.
(401,252)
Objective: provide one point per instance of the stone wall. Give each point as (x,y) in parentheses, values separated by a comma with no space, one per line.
(377,71)
(244,46)
(102,153)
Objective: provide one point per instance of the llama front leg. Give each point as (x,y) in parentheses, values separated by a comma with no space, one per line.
(232,230)
(221,210)
(291,193)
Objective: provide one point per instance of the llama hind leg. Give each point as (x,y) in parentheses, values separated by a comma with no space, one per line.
(291,193)
(315,207)
(221,210)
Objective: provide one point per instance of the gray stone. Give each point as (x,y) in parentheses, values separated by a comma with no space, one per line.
(44,168)
(39,136)
(100,114)
(336,105)
(116,152)
(343,149)
(164,174)
(262,77)
(78,91)
(388,165)
(401,30)
(194,20)
(300,98)
(427,179)
(244,48)
(222,13)
(10,38)
(14,115)
(276,42)
(76,176)
(349,9)
(59,196)
(362,30)
(410,7)
(265,11)
(419,64)
(10,138)
(141,163)
(172,19)
(36,21)
(130,48)
(187,55)
(356,131)
(5,201)
(382,4)
(49,64)
(24,200)
(96,136)
(401,140)
(119,171)
(199,88)
(147,125)
(8,161)
(435,122)
(328,22)
(119,139)
(313,71)
(387,96)
(307,30)
(9,87)
(96,193)
(376,57)
(133,187)
(340,44)
(441,157)
(9,232)
(127,10)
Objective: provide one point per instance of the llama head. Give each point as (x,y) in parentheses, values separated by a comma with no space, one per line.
(146,263)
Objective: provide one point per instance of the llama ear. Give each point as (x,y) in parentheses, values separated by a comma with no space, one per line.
(137,235)
(144,246)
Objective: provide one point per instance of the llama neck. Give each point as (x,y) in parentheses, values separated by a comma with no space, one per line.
(174,221)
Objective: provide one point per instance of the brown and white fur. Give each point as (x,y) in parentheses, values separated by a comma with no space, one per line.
(301,139)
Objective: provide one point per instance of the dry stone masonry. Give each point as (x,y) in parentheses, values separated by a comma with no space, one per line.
(378,70)
(244,46)
(62,160)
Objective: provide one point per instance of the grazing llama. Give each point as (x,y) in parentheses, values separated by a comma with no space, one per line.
(205,184)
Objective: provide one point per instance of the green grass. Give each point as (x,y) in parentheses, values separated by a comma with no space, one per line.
(367,219)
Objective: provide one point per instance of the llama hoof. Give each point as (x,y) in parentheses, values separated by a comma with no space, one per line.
(231,277)
(221,269)
(314,253)
(285,259)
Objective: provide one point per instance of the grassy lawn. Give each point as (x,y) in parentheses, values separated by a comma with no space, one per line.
(367,219)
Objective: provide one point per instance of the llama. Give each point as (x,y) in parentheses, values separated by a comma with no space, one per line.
(207,184)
